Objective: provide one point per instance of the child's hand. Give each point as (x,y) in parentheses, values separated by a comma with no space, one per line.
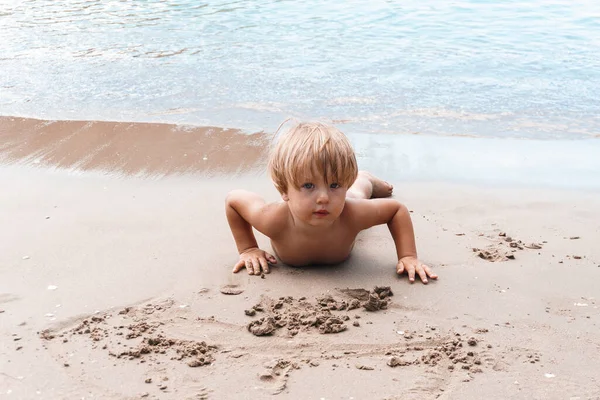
(410,265)
(255,260)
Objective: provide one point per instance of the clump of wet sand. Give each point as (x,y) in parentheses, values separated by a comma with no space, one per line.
(504,248)
(130,335)
(327,314)
(458,352)
(137,334)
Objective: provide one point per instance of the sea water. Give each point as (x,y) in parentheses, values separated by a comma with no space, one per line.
(475,68)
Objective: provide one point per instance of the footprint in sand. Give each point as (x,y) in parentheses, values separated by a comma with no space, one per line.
(276,375)
(7,297)
(202,393)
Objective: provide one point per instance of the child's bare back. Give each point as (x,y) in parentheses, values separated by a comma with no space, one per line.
(326,203)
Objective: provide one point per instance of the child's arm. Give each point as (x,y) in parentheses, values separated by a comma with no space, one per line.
(245,210)
(368,213)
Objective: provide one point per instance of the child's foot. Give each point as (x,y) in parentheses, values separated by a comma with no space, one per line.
(380,188)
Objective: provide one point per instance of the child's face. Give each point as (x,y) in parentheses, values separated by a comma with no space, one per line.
(316,203)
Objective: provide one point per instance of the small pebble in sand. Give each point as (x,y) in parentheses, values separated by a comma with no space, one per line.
(25,257)
(148,380)
(574,237)
(472,341)
(231,290)
(356,323)
(52,287)
(577,257)
(395,361)
(533,246)
(549,375)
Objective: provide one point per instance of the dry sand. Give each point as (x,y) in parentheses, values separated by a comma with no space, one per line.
(114,286)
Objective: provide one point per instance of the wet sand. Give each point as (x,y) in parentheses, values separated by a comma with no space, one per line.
(148,149)
(111,286)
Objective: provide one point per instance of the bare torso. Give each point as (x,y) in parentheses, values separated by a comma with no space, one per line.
(298,247)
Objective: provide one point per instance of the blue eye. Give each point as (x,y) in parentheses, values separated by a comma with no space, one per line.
(334,185)
(308,186)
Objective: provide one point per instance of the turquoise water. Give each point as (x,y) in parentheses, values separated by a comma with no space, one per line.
(472,67)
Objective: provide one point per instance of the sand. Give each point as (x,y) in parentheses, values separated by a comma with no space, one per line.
(115,285)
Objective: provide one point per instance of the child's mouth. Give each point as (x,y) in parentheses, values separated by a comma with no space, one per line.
(321,213)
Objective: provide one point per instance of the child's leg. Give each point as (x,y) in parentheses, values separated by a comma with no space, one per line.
(367,186)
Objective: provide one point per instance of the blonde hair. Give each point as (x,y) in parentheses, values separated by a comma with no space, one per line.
(312,147)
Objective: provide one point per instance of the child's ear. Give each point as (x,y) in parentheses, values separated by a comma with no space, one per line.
(285,197)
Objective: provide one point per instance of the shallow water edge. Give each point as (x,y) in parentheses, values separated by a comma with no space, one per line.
(156,150)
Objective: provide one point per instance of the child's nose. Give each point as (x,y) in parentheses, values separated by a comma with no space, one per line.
(323,197)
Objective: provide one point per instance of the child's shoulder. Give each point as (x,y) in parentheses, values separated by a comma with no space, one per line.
(366,213)
(273,218)
(268,218)
(278,208)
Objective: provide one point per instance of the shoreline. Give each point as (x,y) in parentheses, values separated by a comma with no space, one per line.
(154,150)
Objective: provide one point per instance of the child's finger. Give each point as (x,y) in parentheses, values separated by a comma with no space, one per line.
(237,267)
(271,259)
(400,268)
(256,266)
(429,272)
(264,265)
(422,274)
(249,267)
(411,273)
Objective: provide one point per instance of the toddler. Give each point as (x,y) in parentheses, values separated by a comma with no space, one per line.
(326,203)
